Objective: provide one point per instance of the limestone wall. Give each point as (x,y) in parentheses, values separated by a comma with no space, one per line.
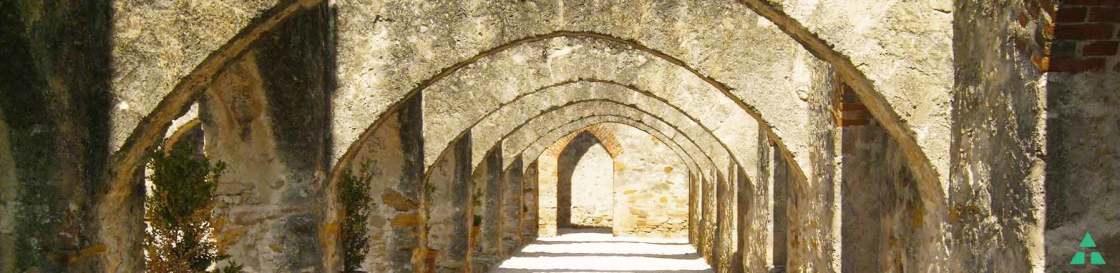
(651,201)
(650,189)
(592,184)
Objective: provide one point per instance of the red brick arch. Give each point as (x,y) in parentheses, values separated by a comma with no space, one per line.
(605,137)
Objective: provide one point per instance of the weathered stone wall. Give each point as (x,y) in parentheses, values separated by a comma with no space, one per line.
(781,178)
(996,181)
(650,189)
(513,180)
(267,118)
(362,71)
(708,220)
(901,49)
(556,141)
(727,256)
(531,218)
(394,188)
(158,43)
(958,153)
(486,201)
(813,203)
(8,197)
(763,224)
(546,189)
(54,103)
(1082,175)
(882,210)
(447,213)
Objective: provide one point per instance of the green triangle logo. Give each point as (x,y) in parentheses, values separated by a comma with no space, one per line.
(1088,242)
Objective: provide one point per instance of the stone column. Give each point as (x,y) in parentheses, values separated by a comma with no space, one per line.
(531,208)
(757,205)
(726,215)
(708,215)
(694,194)
(402,240)
(54,138)
(448,217)
(814,223)
(487,201)
(267,117)
(512,203)
(393,161)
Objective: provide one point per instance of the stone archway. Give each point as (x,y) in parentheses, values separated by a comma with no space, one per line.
(591,207)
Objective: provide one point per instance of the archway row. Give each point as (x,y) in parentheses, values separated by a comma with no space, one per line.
(483,144)
(119,165)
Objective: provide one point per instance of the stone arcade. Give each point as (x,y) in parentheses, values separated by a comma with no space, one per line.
(775,135)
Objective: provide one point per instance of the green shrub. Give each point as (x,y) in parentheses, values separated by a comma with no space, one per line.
(178,212)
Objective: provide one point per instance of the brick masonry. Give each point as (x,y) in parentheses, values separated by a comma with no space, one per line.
(1086,36)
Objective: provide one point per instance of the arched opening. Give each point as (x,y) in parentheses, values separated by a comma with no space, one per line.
(647,199)
(646,196)
(586,169)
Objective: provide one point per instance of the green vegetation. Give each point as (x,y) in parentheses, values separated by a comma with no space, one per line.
(353,193)
(178,212)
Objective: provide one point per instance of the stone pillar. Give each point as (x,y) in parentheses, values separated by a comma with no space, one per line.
(780,179)
(54,144)
(267,117)
(814,223)
(708,215)
(393,162)
(530,209)
(725,244)
(1001,136)
(762,240)
(402,241)
(448,217)
(487,202)
(694,225)
(512,202)
(744,240)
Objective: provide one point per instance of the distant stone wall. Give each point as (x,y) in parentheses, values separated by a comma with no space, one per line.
(592,184)
(645,195)
(650,188)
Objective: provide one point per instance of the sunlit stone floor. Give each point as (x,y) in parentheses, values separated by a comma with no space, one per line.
(598,251)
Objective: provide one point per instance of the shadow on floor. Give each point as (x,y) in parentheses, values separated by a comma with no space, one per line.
(563,242)
(597,250)
(691,256)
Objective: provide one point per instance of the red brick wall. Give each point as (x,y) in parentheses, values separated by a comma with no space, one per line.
(1086,36)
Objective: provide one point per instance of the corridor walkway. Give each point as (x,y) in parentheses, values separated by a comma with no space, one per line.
(598,251)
